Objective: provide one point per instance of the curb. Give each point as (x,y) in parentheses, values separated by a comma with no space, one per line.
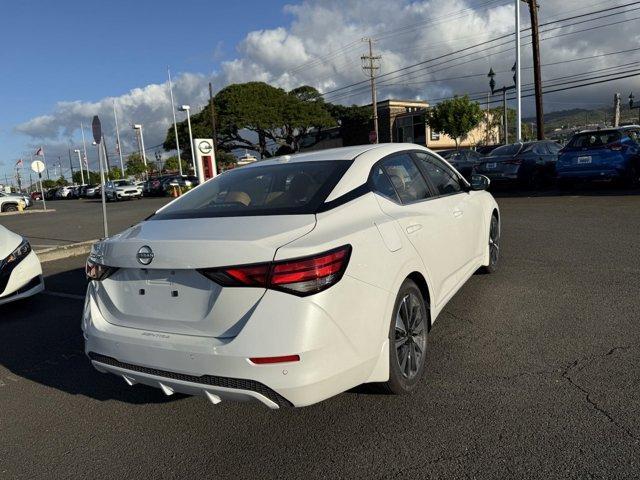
(65,251)
(7,214)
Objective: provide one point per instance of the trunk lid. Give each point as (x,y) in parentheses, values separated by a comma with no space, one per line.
(169,295)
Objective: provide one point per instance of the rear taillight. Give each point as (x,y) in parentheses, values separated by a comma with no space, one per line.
(97,271)
(515,161)
(300,276)
(616,147)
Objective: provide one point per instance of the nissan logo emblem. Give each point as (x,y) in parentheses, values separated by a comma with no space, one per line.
(145,255)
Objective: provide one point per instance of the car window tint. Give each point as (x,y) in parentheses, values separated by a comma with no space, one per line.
(261,189)
(594,139)
(540,149)
(382,185)
(554,148)
(634,135)
(444,179)
(406,178)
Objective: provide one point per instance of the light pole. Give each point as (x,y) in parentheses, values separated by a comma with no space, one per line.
(504,89)
(80,162)
(632,106)
(138,128)
(115,116)
(186,108)
(517,77)
(175,124)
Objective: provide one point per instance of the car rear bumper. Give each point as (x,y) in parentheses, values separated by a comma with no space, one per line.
(221,369)
(602,174)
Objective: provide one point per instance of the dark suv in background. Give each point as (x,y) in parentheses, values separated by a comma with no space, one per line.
(528,164)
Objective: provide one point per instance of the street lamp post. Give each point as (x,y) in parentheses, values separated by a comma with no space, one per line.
(138,128)
(187,108)
(80,162)
(504,89)
(632,106)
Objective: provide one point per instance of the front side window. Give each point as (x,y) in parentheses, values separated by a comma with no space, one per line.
(275,189)
(444,180)
(405,178)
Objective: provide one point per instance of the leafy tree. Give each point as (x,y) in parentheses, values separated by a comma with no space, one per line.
(135,165)
(49,183)
(94,178)
(115,173)
(225,160)
(495,122)
(171,164)
(455,117)
(354,121)
(61,182)
(258,117)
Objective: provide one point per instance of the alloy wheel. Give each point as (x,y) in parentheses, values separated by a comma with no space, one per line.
(410,336)
(494,241)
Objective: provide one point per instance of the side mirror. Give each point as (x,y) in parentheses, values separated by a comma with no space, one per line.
(479,182)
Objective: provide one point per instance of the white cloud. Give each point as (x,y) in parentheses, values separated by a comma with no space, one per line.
(325,36)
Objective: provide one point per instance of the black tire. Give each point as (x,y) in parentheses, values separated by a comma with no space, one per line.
(494,246)
(408,332)
(10,208)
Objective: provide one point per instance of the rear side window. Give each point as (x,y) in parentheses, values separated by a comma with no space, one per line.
(444,180)
(594,139)
(280,189)
(405,178)
(381,184)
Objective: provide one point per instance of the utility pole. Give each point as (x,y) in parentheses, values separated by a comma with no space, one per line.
(537,73)
(616,110)
(370,64)
(517,75)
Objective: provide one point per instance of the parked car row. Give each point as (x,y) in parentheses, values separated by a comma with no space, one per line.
(164,184)
(608,154)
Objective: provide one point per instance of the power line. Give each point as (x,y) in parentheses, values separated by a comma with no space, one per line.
(357,91)
(408,67)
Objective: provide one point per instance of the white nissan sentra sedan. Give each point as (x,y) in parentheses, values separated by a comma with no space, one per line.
(293,279)
(20,270)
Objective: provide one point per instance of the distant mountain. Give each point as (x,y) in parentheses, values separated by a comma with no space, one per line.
(578,118)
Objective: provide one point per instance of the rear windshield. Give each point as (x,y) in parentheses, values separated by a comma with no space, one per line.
(507,150)
(594,139)
(282,189)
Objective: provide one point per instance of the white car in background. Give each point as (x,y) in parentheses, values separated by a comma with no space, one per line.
(121,189)
(28,202)
(11,203)
(293,279)
(20,270)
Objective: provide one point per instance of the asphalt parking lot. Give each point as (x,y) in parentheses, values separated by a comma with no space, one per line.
(532,373)
(78,220)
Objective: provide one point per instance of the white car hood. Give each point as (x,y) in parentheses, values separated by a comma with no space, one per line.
(9,241)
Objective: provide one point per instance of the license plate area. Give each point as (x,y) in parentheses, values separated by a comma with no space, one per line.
(584,159)
(491,165)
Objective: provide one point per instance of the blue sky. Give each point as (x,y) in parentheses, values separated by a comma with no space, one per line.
(83,50)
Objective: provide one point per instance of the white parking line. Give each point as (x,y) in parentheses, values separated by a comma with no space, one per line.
(64,295)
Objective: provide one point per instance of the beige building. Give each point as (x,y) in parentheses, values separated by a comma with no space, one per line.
(403,121)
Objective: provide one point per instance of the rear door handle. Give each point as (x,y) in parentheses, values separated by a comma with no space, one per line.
(457,213)
(414,228)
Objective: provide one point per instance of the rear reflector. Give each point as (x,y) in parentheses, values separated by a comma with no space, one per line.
(282,359)
(299,276)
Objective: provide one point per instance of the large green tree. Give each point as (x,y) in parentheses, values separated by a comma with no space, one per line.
(135,165)
(455,117)
(258,117)
(354,121)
